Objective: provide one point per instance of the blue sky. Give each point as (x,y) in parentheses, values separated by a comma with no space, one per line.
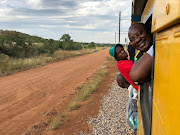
(84,20)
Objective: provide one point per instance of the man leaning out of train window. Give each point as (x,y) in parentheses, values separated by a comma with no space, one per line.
(140,38)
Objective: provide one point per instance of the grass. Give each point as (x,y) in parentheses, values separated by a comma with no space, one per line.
(82,94)
(10,65)
(110,58)
(74,105)
(84,91)
(56,122)
(87,89)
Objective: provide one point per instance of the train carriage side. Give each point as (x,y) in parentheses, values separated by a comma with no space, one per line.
(159,103)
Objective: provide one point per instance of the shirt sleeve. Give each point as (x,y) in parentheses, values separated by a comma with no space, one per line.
(129,88)
(150,51)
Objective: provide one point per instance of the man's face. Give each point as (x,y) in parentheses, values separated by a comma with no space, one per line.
(139,38)
(120,53)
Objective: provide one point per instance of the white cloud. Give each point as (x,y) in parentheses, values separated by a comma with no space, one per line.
(22,17)
(49,26)
(34,4)
(93,8)
(89,26)
(84,20)
(4,15)
(3,2)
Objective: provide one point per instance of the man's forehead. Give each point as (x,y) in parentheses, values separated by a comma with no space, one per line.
(137,26)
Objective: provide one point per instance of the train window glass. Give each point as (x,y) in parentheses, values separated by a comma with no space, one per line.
(146,91)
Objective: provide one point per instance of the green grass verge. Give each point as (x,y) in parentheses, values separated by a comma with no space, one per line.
(82,94)
(56,122)
(74,105)
(87,89)
(110,58)
(10,65)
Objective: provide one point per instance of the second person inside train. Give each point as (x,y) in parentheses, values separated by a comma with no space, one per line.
(124,65)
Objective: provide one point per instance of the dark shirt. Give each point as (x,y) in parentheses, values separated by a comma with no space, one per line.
(138,55)
(131,51)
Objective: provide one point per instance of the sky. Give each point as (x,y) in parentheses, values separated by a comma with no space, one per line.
(84,20)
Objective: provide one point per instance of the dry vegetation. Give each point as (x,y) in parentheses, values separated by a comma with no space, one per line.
(56,122)
(10,65)
(83,92)
(89,88)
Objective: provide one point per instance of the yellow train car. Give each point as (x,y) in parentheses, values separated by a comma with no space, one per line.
(159,102)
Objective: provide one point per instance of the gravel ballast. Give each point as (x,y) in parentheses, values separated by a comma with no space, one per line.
(111,119)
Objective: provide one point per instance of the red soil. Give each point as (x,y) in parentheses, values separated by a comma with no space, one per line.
(29,98)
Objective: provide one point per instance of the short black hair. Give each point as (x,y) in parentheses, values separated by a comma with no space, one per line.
(147,29)
(120,45)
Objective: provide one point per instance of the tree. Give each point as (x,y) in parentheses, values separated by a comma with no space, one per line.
(65,37)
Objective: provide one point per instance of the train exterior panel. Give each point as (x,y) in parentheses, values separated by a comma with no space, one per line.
(165,14)
(166,94)
(164,19)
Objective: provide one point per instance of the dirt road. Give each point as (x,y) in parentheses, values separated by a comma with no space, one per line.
(25,96)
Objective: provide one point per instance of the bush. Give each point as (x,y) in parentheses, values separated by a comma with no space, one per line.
(77,46)
(42,49)
(85,46)
(17,47)
(67,45)
(100,45)
(92,45)
(70,45)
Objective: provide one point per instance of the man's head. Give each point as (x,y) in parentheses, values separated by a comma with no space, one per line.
(118,52)
(122,81)
(140,37)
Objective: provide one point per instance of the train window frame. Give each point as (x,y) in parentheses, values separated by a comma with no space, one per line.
(146,93)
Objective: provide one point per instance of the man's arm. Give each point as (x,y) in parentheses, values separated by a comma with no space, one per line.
(141,69)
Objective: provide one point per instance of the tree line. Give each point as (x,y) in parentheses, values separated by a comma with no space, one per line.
(21,45)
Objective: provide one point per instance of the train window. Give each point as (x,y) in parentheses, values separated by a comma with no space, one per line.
(146,92)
